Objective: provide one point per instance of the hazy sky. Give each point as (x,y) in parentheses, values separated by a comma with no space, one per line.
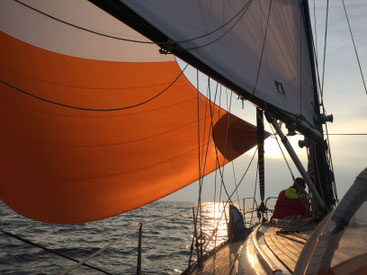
(344,97)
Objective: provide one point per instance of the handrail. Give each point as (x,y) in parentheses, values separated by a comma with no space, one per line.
(256,207)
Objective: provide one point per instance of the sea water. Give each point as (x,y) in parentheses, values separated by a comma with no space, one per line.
(166,240)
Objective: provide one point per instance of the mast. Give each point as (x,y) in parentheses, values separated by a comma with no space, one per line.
(260,153)
(319,165)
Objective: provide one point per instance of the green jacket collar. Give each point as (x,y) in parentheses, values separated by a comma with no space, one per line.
(291,193)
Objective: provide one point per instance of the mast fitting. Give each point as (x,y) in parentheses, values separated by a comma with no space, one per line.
(291,128)
(324,118)
(304,143)
(320,203)
(168,47)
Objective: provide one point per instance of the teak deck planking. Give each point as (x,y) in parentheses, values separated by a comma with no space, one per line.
(222,262)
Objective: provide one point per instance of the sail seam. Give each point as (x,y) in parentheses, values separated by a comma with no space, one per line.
(325,48)
(94,109)
(170,42)
(82,28)
(262,49)
(247,6)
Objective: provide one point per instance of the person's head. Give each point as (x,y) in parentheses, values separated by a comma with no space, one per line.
(299,184)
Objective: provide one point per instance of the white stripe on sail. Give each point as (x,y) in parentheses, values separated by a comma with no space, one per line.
(44,32)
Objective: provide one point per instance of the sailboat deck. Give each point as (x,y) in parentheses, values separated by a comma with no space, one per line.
(222,261)
(286,246)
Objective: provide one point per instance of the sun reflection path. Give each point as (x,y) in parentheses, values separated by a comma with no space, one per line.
(214,218)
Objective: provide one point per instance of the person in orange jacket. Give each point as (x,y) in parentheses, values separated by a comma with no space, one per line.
(292,202)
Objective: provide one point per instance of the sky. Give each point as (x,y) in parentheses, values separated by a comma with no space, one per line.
(344,97)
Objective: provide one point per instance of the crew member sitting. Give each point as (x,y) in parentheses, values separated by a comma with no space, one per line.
(292,201)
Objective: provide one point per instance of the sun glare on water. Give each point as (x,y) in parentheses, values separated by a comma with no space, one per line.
(215,221)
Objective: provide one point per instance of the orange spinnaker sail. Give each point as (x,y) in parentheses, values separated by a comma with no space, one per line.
(65,165)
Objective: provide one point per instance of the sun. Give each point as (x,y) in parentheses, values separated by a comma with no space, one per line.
(271,148)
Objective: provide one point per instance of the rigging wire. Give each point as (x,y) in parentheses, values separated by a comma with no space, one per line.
(117,240)
(354,45)
(216,153)
(345,134)
(199,210)
(248,167)
(321,83)
(234,174)
(202,169)
(225,204)
(281,150)
(253,156)
(218,165)
(205,154)
(99,251)
(301,64)
(321,89)
(331,162)
(135,40)
(245,8)
(215,180)
(95,109)
(348,134)
(215,231)
(82,28)
(221,171)
(215,202)
(315,56)
(211,126)
(324,56)
(315,28)
(235,182)
(207,147)
(51,251)
(255,189)
(262,49)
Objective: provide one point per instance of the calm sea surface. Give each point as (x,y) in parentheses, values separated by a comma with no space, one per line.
(166,242)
